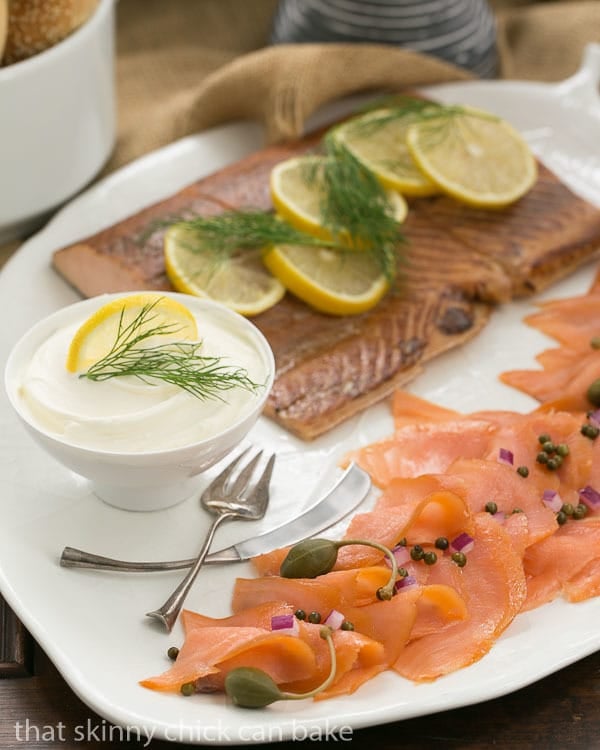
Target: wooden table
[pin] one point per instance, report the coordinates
(38, 710)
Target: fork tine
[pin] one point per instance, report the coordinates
(243, 479)
(261, 489)
(219, 482)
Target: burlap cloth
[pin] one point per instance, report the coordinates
(185, 65)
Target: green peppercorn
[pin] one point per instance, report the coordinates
(593, 393)
(402, 572)
(417, 552)
(441, 543)
(549, 447)
(595, 342)
(542, 458)
(561, 518)
(563, 450)
(568, 509)
(580, 512)
(544, 438)
(459, 558)
(314, 617)
(173, 653)
(589, 431)
(523, 471)
(188, 688)
(300, 614)
(430, 558)
(491, 507)
(346, 625)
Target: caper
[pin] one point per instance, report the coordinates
(523, 471)
(188, 688)
(568, 509)
(314, 618)
(402, 572)
(580, 512)
(561, 518)
(517, 510)
(309, 559)
(459, 558)
(441, 543)
(346, 625)
(554, 463)
(430, 558)
(593, 393)
(595, 342)
(300, 614)
(563, 450)
(173, 652)
(402, 542)
(590, 431)
(548, 447)
(250, 687)
(544, 438)
(417, 552)
(542, 458)
(491, 507)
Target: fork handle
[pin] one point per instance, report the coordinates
(71, 557)
(169, 612)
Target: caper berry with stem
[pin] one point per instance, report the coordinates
(250, 687)
(314, 557)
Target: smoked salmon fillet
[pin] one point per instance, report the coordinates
(458, 262)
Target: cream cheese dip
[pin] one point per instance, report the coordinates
(125, 414)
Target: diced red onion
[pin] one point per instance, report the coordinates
(553, 500)
(499, 516)
(405, 583)
(594, 417)
(285, 624)
(334, 619)
(506, 457)
(590, 497)
(463, 543)
(401, 554)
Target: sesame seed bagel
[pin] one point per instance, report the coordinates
(35, 25)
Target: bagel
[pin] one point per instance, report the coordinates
(36, 25)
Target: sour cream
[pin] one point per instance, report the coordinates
(125, 414)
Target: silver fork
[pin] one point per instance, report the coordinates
(227, 499)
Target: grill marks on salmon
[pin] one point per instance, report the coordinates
(459, 262)
(536, 241)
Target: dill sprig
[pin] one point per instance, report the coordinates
(409, 110)
(247, 230)
(356, 209)
(176, 362)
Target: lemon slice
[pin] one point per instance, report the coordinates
(297, 193)
(241, 282)
(94, 339)
(382, 148)
(330, 281)
(475, 157)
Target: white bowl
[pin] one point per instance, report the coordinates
(149, 479)
(57, 123)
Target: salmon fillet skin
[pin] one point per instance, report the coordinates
(459, 263)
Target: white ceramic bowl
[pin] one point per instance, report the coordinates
(149, 480)
(57, 123)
